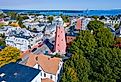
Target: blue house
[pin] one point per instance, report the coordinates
(14, 72)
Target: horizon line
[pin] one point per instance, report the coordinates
(62, 9)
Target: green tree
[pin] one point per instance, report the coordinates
(2, 43)
(85, 42)
(9, 54)
(76, 69)
(106, 65)
(13, 15)
(70, 75)
(104, 37)
(95, 17)
(116, 26)
(2, 15)
(50, 18)
(94, 58)
(93, 25)
(65, 18)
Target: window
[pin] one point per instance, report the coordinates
(44, 74)
(58, 35)
(62, 40)
(51, 77)
(58, 44)
(41, 73)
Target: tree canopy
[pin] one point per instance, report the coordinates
(50, 18)
(104, 37)
(76, 69)
(9, 54)
(13, 15)
(94, 58)
(65, 18)
(93, 25)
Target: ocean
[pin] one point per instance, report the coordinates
(69, 12)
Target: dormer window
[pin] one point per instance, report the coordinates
(51, 77)
(44, 74)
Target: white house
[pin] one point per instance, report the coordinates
(58, 21)
(118, 32)
(20, 43)
(85, 22)
(24, 43)
(110, 22)
(50, 67)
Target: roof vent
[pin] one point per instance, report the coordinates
(15, 73)
(36, 58)
(2, 75)
(3, 81)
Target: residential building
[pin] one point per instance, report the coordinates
(110, 21)
(82, 23)
(14, 72)
(70, 38)
(50, 67)
(78, 24)
(23, 43)
(118, 32)
(58, 21)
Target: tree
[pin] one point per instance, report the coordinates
(70, 75)
(93, 25)
(85, 42)
(13, 15)
(116, 26)
(2, 15)
(50, 18)
(9, 54)
(2, 43)
(21, 24)
(94, 58)
(65, 18)
(104, 37)
(106, 65)
(76, 69)
(95, 17)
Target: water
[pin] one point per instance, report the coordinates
(69, 12)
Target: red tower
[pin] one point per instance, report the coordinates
(60, 42)
(78, 24)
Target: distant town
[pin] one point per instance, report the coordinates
(59, 48)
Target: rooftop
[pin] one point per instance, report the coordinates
(47, 80)
(14, 72)
(49, 65)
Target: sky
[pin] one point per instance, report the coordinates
(60, 4)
